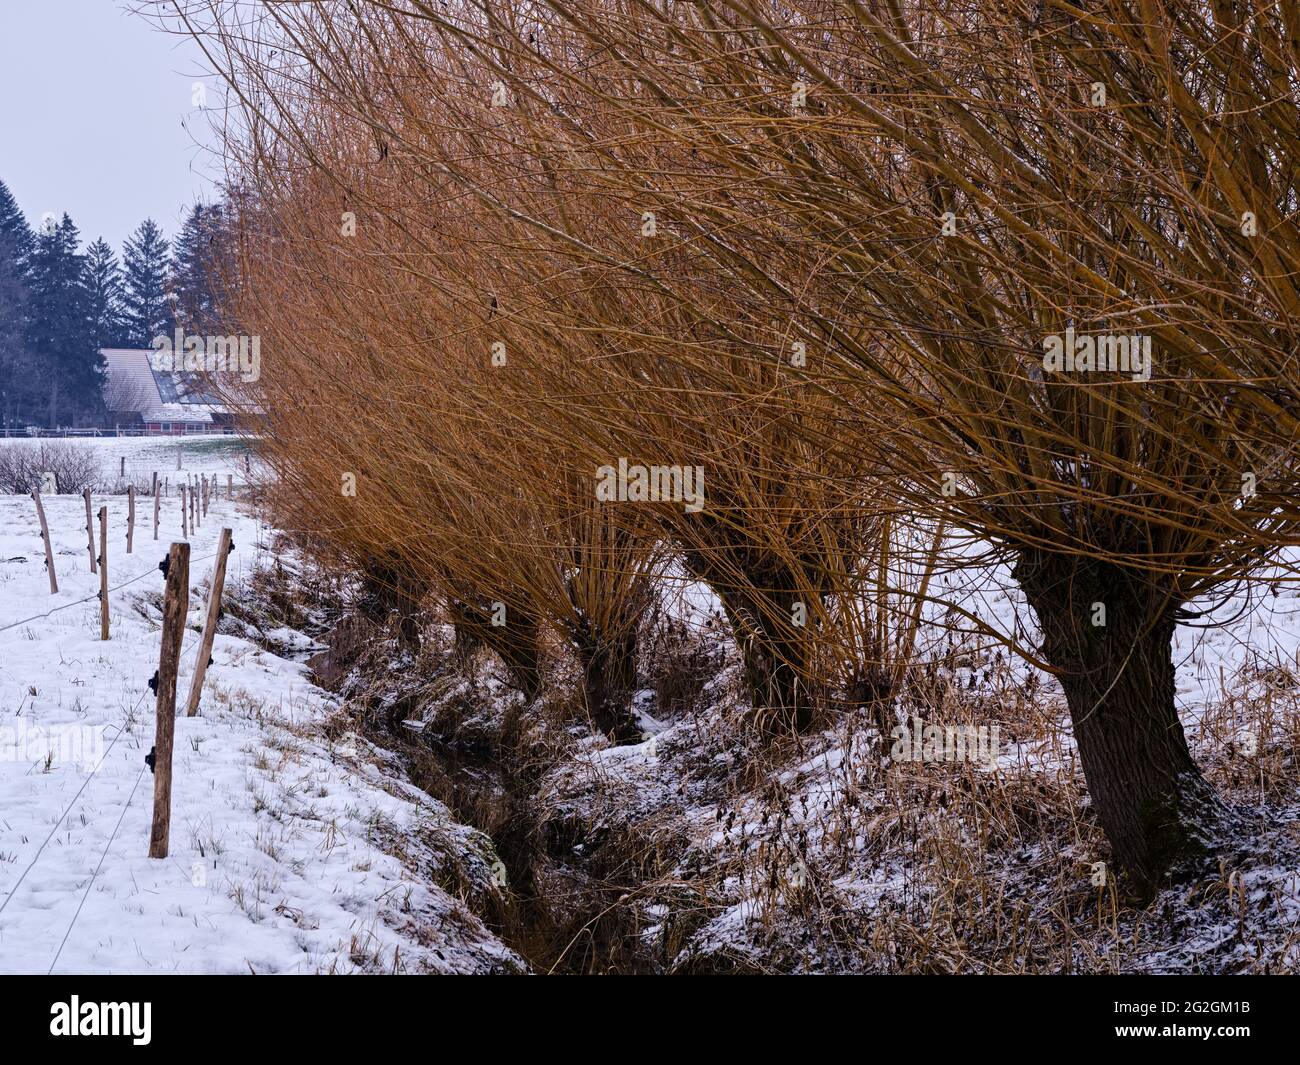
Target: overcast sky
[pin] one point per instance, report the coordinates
(91, 104)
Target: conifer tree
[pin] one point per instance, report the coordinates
(195, 258)
(59, 338)
(15, 246)
(145, 267)
(106, 295)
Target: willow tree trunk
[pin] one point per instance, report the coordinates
(1111, 635)
(774, 652)
(386, 591)
(517, 642)
(609, 680)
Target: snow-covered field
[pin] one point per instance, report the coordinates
(290, 853)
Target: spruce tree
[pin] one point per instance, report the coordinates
(15, 233)
(145, 269)
(15, 371)
(196, 266)
(59, 338)
(106, 296)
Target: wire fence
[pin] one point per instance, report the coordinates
(122, 728)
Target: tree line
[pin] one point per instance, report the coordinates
(60, 303)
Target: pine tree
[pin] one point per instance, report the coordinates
(106, 296)
(145, 268)
(59, 337)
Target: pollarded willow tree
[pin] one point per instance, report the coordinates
(398, 446)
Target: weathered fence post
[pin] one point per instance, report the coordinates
(156, 501)
(130, 518)
(230, 486)
(122, 475)
(49, 548)
(175, 606)
(210, 623)
(90, 531)
(185, 528)
(178, 454)
(103, 573)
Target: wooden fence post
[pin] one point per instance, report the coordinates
(178, 454)
(103, 573)
(156, 501)
(49, 548)
(175, 605)
(210, 623)
(123, 471)
(130, 518)
(90, 531)
(230, 486)
(185, 527)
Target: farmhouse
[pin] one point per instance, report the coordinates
(158, 402)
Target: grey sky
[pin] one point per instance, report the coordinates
(91, 104)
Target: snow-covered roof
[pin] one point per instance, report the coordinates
(133, 385)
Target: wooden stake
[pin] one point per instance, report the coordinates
(90, 531)
(156, 501)
(210, 623)
(49, 549)
(175, 605)
(123, 473)
(185, 529)
(178, 454)
(103, 573)
(130, 518)
(230, 488)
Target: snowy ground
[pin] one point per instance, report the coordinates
(289, 853)
(829, 865)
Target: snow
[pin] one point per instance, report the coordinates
(289, 853)
(298, 847)
(901, 852)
